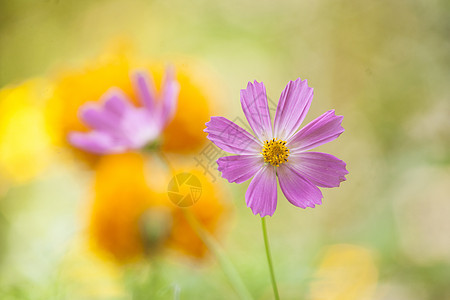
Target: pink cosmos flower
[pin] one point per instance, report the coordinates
(119, 126)
(279, 151)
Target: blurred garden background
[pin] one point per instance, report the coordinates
(82, 226)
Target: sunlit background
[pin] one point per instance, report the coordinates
(81, 226)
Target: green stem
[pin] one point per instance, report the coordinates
(227, 267)
(269, 259)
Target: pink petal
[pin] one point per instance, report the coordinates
(169, 95)
(292, 108)
(138, 128)
(323, 129)
(230, 137)
(145, 88)
(95, 142)
(239, 168)
(297, 189)
(256, 109)
(116, 102)
(98, 118)
(261, 195)
(321, 169)
(108, 117)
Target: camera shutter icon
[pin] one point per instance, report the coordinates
(184, 189)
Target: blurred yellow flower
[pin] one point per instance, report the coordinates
(131, 218)
(73, 88)
(25, 144)
(346, 272)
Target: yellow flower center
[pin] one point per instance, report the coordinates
(275, 152)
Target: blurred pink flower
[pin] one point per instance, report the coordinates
(279, 151)
(119, 126)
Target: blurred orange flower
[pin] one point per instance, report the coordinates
(121, 195)
(131, 218)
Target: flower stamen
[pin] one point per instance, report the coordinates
(275, 152)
